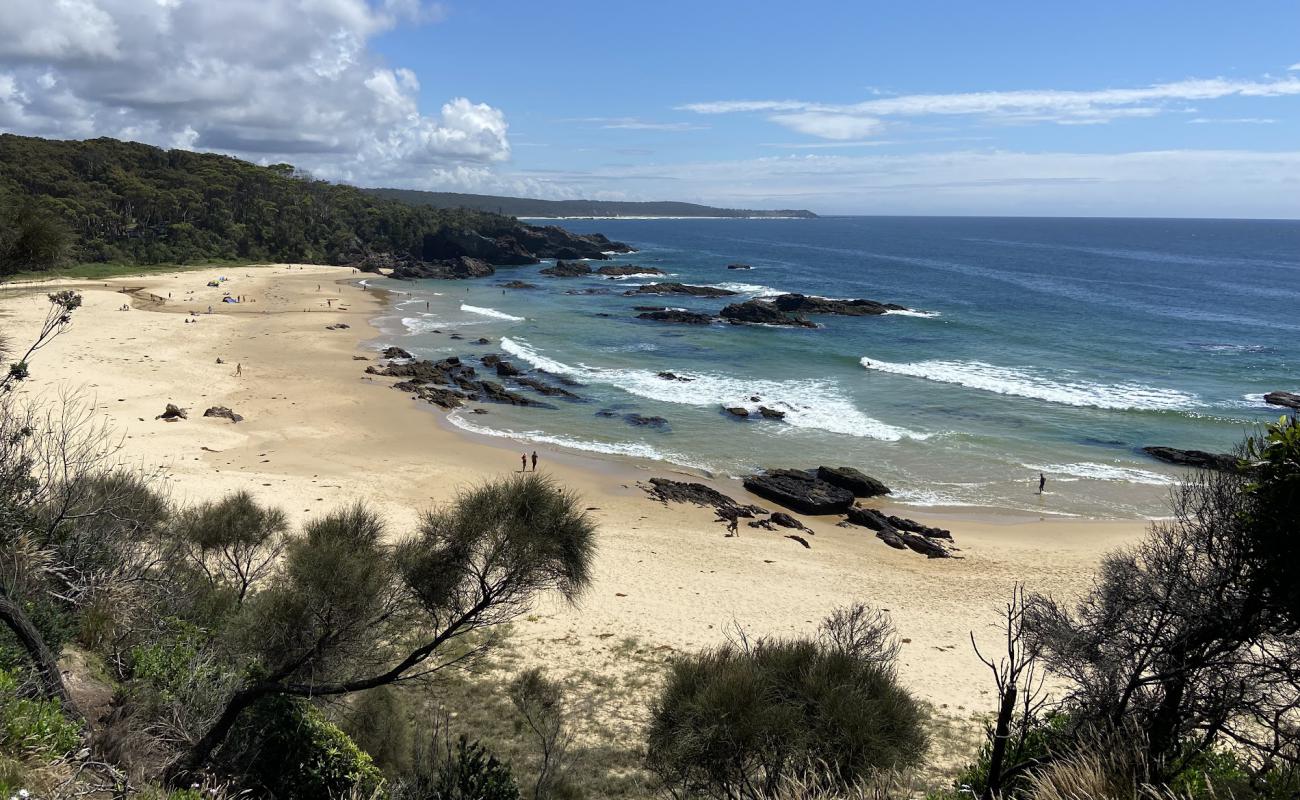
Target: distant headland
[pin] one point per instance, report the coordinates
(561, 209)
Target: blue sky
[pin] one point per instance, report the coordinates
(1152, 109)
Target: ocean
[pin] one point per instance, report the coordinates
(1059, 346)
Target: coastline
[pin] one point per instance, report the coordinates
(319, 433)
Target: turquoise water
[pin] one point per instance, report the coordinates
(1047, 345)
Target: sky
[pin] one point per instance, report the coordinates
(1159, 108)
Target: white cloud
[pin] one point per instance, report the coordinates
(1231, 121)
(1049, 105)
(829, 126)
(635, 124)
(1294, 67)
(273, 80)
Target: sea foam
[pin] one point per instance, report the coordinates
(1088, 470)
(1025, 383)
(813, 404)
(632, 449)
(490, 312)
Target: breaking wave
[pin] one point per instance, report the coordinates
(490, 312)
(631, 449)
(908, 312)
(1088, 470)
(753, 289)
(1024, 383)
(813, 404)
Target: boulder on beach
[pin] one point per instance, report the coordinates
(223, 412)
(172, 413)
(757, 312)
(1198, 459)
(670, 491)
(1283, 399)
(681, 288)
(677, 315)
(800, 491)
(849, 478)
(395, 352)
(880, 521)
(567, 269)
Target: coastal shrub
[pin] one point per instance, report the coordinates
(465, 771)
(1052, 734)
(291, 751)
(36, 727)
(540, 701)
(737, 720)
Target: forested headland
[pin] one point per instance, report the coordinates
(109, 201)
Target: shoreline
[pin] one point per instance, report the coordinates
(319, 433)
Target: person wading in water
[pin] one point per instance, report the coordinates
(1042, 481)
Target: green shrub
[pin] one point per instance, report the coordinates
(737, 721)
(35, 727)
(51, 620)
(468, 772)
(1038, 743)
(286, 746)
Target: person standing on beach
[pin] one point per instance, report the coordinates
(523, 460)
(534, 461)
(239, 369)
(1042, 481)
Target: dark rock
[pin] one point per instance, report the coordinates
(849, 478)
(448, 244)
(761, 313)
(455, 336)
(490, 360)
(739, 266)
(360, 358)
(892, 538)
(670, 491)
(224, 413)
(596, 290)
(482, 340)
(676, 315)
(631, 269)
(669, 376)
(800, 491)
(638, 420)
(800, 540)
(172, 413)
(1198, 459)
(552, 241)
(881, 522)
(546, 389)
(771, 413)
(455, 268)
(395, 352)
(567, 269)
(607, 412)
(518, 285)
(480, 411)
(779, 519)
(1283, 399)
(507, 370)
(926, 547)
(803, 304)
(497, 392)
(737, 411)
(680, 288)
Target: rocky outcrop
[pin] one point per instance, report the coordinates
(552, 241)
(779, 519)
(676, 315)
(770, 413)
(172, 413)
(456, 268)
(737, 411)
(804, 304)
(757, 312)
(672, 376)
(518, 285)
(1283, 399)
(567, 269)
(1198, 459)
(681, 288)
(669, 491)
(223, 413)
(901, 533)
(849, 478)
(506, 370)
(800, 491)
(394, 352)
(630, 269)
(449, 243)
(546, 389)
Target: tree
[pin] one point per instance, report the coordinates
(35, 240)
(345, 611)
(1186, 635)
(738, 720)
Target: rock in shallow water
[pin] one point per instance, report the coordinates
(1198, 459)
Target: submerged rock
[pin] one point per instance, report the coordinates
(800, 491)
(677, 315)
(642, 421)
(1198, 459)
(804, 304)
(1283, 399)
(681, 288)
(631, 269)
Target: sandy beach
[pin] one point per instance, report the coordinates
(318, 433)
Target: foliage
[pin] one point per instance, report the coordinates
(287, 748)
(34, 726)
(1041, 741)
(540, 701)
(466, 772)
(736, 720)
(1273, 515)
(104, 200)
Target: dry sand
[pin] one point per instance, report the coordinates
(319, 433)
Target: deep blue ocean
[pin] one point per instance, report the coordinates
(1053, 345)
